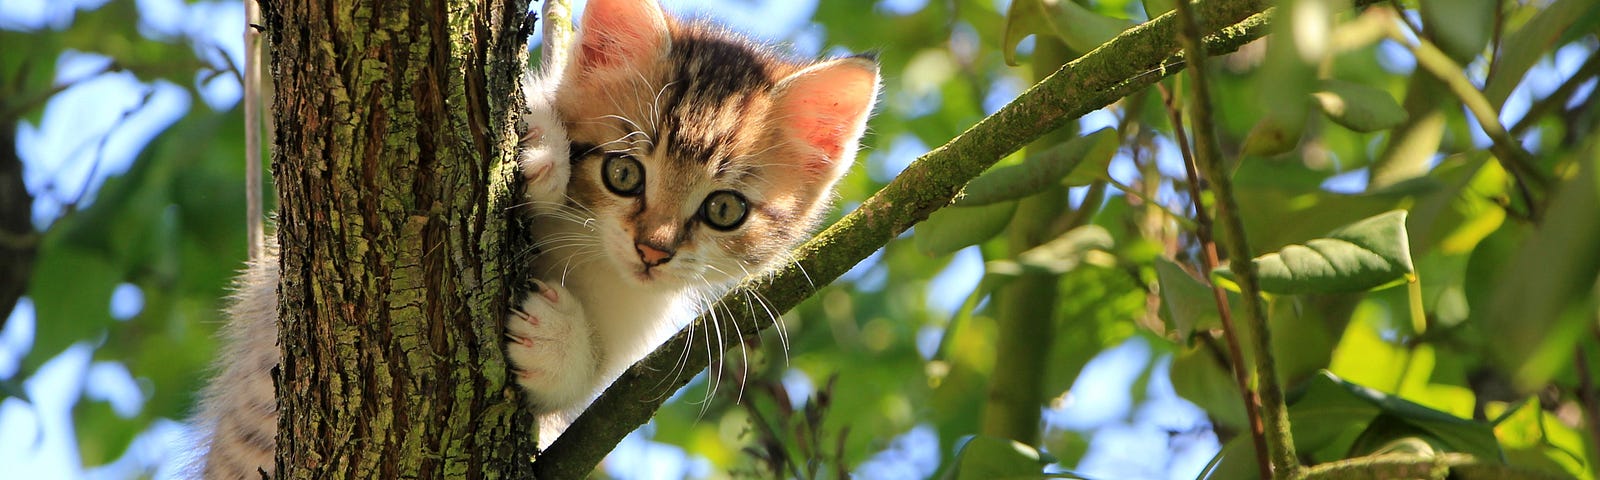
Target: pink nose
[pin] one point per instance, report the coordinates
(652, 256)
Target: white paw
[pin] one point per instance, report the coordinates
(545, 158)
(549, 345)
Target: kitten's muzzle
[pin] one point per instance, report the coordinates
(652, 255)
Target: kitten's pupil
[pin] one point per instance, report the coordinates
(724, 210)
(623, 175)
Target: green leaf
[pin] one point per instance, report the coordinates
(954, 228)
(1235, 461)
(102, 434)
(1535, 439)
(1357, 257)
(1287, 76)
(71, 291)
(1023, 18)
(1460, 27)
(1080, 28)
(1359, 107)
(1154, 8)
(1330, 404)
(1462, 212)
(1079, 161)
(1281, 203)
(983, 457)
(1057, 256)
(1200, 375)
(1189, 302)
(1276, 134)
(1544, 298)
(1305, 331)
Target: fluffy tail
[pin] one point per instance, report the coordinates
(238, 408)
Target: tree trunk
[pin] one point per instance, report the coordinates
(395, 147)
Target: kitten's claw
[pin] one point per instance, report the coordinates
(548, 343)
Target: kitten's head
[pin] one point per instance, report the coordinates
(699, 155)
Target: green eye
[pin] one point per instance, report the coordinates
(623, 175)
(724, 210)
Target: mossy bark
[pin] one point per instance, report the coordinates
(395, 145)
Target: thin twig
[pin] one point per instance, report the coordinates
(12, 108)
(1208, 263)
(1557, 99)
(1505, 148)
(1494, 39)
(1273, 415)
(254, 237)
(100, 149)
(1400, 11)
(1443, 465)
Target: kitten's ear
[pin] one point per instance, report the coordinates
(823, 111)
(620, 34)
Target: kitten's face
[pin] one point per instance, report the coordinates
(670, 221)
(700, 158)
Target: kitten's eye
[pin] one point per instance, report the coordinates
(623, 175)
(724, 210)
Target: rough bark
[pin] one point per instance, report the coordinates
(394, 147)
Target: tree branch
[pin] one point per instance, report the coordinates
(557, 35)
(19, 242)
(1267, 399)
(254, 238)
(1505, 148)
(1133, 60)
(1441, 466)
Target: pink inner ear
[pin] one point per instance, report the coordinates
(825, 107)
(824, 129)
(618, 32)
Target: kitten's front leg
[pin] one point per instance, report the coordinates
(550, 347)
(545, 157)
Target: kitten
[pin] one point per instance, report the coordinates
(664, 162)
(697, 159)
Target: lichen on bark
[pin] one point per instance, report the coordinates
(395, 154)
